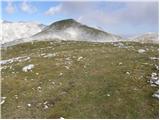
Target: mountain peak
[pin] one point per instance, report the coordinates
(62, 24)
(70, 29)
(66, 20)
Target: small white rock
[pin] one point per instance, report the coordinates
(16, 96)
(156, 94)
(2, 100)
(154, 58)
(120, 63)
(141, 51)
(108, 95)
(49, 55)
(53, 83)
(29, 105)
(39, 88)
(28, 68)
(18, 106)
(127, 73)
(37, 73)
(60, 74)
(45, 106)
(45, 102)
(66, 67)
(79, 58)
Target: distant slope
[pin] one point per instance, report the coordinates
(146, 38)
(17, 30)
(70, 29)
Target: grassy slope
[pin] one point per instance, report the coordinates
(97, 86)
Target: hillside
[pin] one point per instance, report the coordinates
(70, 79)
(12, 31)
(149, 37)
(70, 29)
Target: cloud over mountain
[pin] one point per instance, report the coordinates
(130, 14)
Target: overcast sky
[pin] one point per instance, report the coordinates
(123, 18)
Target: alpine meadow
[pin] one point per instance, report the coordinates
(79, 60)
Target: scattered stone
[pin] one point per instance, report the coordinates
(29, 105)
(53, 83)
(157, 67)
(154, 79)
(39, 88)
(37, 73)
(153, 85)
(108, 95)
(45, 102)
(141, 51)
(156, 94)
(145, 63)
(68, 58)
(68, 61)
(135, 89)
(128, 73)
(66, 67)
(33, 88)
(28, 68)
(49, 55)
(51, 43)
(18, 106)
(16, 96)
(61, 118)
(79, 58)
(60, 74)
(120, 63)
(154, 58)
(46, 107)
(17, 59)
(42, 54)
(2, 100)
(120, 45)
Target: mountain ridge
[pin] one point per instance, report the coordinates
(67, 29)
(70, 29)
(148, 37)
(18, 30)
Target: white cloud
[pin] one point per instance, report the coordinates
(134, 13)
(132, 16)
(10, 8)
(139, 13)
(28, 8)
(53, 10)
